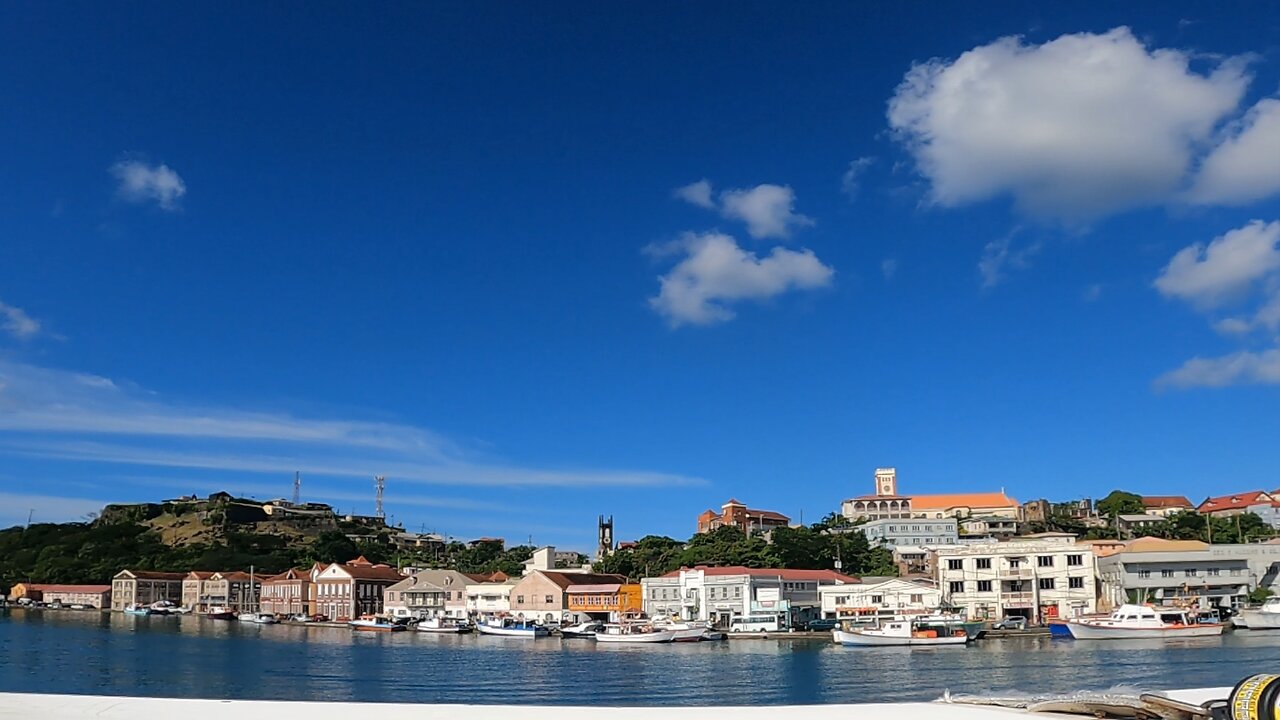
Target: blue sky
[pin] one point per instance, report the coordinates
(538, 263)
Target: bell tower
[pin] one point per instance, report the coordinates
(605, 535)
(886, 482)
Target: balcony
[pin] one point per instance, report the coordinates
(1015, 573)
(1021, 596)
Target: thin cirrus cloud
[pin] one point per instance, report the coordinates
(1073, 129)
(714, 273)
(61, 415)
(139, 182)
(1236, 279)
(16, 322)
(767, 210)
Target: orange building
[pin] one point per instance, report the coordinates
(735, 514)
(605, 599)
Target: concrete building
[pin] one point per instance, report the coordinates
(144, 587)
(453, 588)
(292, 592)
(887, 502)
(1166, 505)
(349, 590)
(735, 514)
(719, 594)
(994, 526)
(886, 599)
(94, 596)
(1228, 505)
(195, 594)
(1189, 571)
(1131, 525)
(891, 533)
(489, 599)
(542, 594)
(413, 597)
(1039, 579)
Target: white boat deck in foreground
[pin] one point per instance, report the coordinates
(31, 706)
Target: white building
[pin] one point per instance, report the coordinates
(1038, 579)
(719, 594)
(879, 600)
(486, 599)
(893, 532)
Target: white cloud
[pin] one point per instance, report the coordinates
(17, 322)
(1226, 268)
(768, 210)
(1000, 256)
(140, 182)
(715, 272)
(1241, 368)
(1073, 129)
(851, 181)
(698, 193)
(1246, 165)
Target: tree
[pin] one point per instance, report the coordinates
(333, 546)
(1259, 595)
(1120, 502)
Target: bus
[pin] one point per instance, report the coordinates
(755, 623)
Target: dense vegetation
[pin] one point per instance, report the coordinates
(816, 547)
(1242, 528)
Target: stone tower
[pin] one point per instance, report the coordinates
(605, 536)
(886, 482)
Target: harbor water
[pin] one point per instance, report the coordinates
(91, 653)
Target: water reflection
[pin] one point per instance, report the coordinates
(195, 657)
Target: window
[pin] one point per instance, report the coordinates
(983, 586)
(956, 586)
(520, 599)
(955, 564)
(984, 563)
(1044, 561)
(920, 598)
(1235, 572)
(1075, 560)
(1075, 583)
(1214, 571)
(548, 599)
(737, 591)
(877, 599)
(1191, 572)
(1166, 573)
(1144, 573)
(1015, 563)
(1046, 583)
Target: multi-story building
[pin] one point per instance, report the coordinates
(1156, 570)
(892, 532)
(995, 526)
(452, 587)
(489, 598)
(194, 591)
(888, 503)
(414, 597)
(292, 592)
(1039, 579)
(94, 596)
(1130, 525)
(542, 594)
(719, 594)
(349, 590)
(735, 514)
(144, 587)
(1166, 505)
(1228, 505)
(604, 601)
(868, 601)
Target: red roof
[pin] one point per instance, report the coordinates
(784, 573)
(1229, 502)
(70, 588)
(1166, 501)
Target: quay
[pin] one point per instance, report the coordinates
(31, 706)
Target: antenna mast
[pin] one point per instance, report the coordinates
(379, 483)
(297, 487)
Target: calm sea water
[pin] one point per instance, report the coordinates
(76, 652)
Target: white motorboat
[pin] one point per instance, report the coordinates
(902, 632)
(265, 619)
(511, 627)
(1266, 617)
(634, 633)
(1130, 622)
(376, 624)
(220, 612)
(247, 617)
(581, 630)
(691, 631)
(442, 625)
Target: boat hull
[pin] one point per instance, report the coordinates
(1255, 620)
(513, 632)
(859, 638)
(1083, 631)
(454, 630)
(663, 636)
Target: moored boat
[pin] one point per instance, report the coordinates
(633, 633)
(902, 632)
(376, 624)
(581, 630)
(220, 612)
(511, 627)
(442, 625)
(691, 631)
(1130, 622)
(1266, 617)
(137, 610)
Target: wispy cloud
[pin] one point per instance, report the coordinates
(16, 322)
(139, 182)
(1002, 255)
(851, 181)
(767, 210)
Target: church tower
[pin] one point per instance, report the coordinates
(886, 482)
(605, 536)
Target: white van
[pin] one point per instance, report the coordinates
(755, 623)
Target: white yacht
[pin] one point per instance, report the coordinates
(904, 631)
(442, 625)
(634, 633)
(1140, 621)
(511, 627)
(1266, 617)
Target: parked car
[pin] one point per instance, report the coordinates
(819, 625)
(1013, 622)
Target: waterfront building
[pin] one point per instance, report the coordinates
(144, 587)
(195, 594)
(719, 594)
(1036, 578)
(891, 532)
(542, 594)
(548, 559)
(345, 591)
(735, 514)
(1166, 505)
(489, 598)
(453, 586)
(94, 596)
(885, 599)
(413, 597)
(604, 601)
(1166, 571)
(1228, 505)
(292, 592)
(888, 503)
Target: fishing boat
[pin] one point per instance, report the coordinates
(1130, 622)
(1266, 617)
(371, 623)
(581, 630)
(442, 625)
(975, 629)
(137, 610)
(511, 627)
(633, 633)
(220, 612)
(903, 631)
